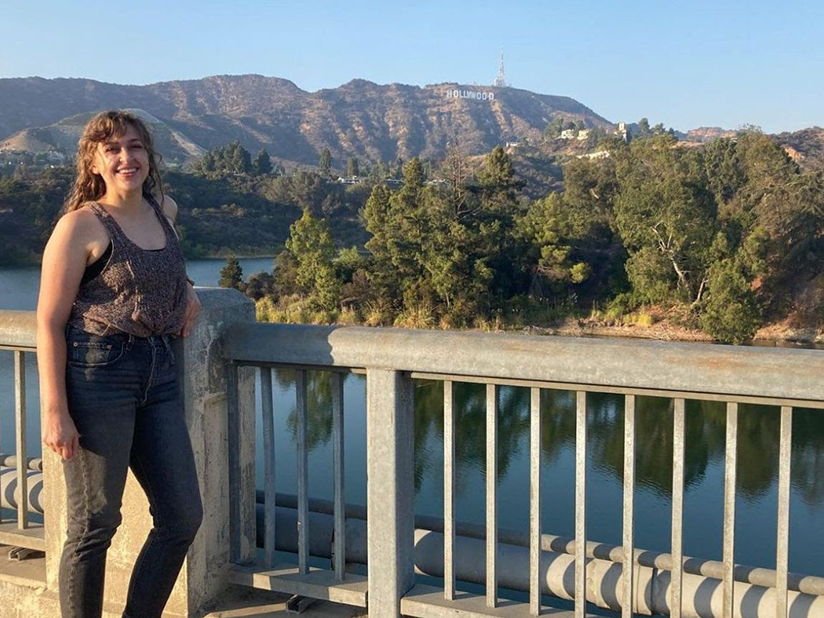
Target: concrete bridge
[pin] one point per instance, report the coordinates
(225, 566)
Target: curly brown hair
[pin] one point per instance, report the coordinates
(105, 126)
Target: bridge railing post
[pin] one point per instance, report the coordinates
(203, 378)
(390, 489)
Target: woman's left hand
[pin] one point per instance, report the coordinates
(192, 309)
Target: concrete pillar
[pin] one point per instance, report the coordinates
(390, 490)
(203, 387)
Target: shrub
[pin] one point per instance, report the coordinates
(730, 312)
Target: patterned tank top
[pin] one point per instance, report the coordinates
(140, 292)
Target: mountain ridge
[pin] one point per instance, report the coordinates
(359, 118)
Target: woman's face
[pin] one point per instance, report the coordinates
(122, 162)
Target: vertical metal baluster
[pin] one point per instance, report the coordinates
(580, 503)
(491, 495)
(729, 509)
(302, 473)
(677, 572)
(233, 413)
(535, 502)
(270, 508)
(629, 507)
(448, 490)
(338, 468)
(783, 528)
(20, 435)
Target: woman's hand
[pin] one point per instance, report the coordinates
(192, 309)
(60, 434)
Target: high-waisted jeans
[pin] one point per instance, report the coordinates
(124, 399)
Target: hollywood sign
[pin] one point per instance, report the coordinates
(470, 94)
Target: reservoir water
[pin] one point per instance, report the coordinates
(704, 475)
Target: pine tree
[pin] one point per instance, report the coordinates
(231, 275)
(325, 162)
(311, 245)
(352, 167)
(240, 160)
(262, 164)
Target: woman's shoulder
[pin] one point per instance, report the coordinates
(81, 224)
(79, 218)
(168, 206)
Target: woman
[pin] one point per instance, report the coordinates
(113, 292)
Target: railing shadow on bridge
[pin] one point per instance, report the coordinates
(229, 354)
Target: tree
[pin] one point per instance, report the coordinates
(444, 252)
(262, 164)
(663, 207)
(325, 162)
(310, 244)
(724, 169)
(643, 128)
(208, 162)
(554, 127)
(352, 167)
(231, 275)
(546, 228)
(239, 159)
(595, 137)
(260, 285)
(730, 312)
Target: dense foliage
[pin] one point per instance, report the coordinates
(721, 238)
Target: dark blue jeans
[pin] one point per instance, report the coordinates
(124, 399)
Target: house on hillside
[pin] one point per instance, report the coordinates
(351, 180)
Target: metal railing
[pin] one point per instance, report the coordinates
(17, 335)
(648, 583)
(576, 569)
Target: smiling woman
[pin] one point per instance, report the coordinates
(113, 292)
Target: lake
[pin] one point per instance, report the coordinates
(704, 474)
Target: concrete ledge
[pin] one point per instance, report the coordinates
(317, 584)
(29, 573)
(244, 602)
(428, 602)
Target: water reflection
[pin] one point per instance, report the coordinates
(705, 436)
(758, 430)
(808, 456)
(318, 405)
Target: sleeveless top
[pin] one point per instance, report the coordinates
(139, 292)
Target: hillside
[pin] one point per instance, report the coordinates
(63, 136)
(360, 118)
(806, 147)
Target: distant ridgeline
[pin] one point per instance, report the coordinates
(360, 119)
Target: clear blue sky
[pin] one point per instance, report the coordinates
(686, 64)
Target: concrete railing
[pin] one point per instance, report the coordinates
(228, 352)
(392, 358)
(205, 574)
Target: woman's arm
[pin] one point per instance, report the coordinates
(169, 207)
(64, 261)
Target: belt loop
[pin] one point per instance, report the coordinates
(129, 342)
